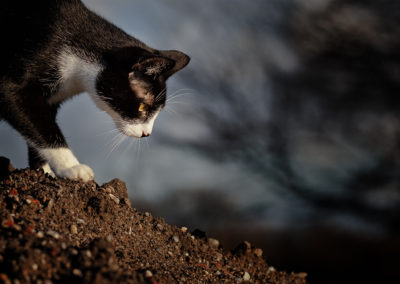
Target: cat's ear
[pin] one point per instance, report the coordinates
(180, 59)
(154, 66)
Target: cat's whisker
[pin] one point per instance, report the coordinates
(183, 103)
(177, 96)
(115, 142)
(170, 110)
(181, 90)
(159, 96)
(105, 98)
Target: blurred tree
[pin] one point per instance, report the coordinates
(306, 96)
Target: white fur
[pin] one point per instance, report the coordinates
(77, 75)
(136, 129)
(130, 128)
(46, 168)
(64, 164)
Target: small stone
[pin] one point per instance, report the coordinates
(40, 234)
(114, 198)
(28, 201)
(271, 269)
(176, 239)
(302, 274)
(147, 214)
(53, 234)
(218, 273)
(184, 229)
(50, 204)
(80, 221)
(17, 227)
(246, 276)
(148, 274)
(63, 245)
(109, 238)
(258, 252)
(77, 272)
(160, 227)
(170, 253)
(214, 243)
(74, 229)
(35, 266)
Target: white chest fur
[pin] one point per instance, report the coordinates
(77, 75)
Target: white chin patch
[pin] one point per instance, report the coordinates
(138, 129)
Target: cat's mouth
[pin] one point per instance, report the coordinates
(135, 129)
(128, 127)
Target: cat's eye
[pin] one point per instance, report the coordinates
(142, 107)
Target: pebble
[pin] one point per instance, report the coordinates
(53, 234)
(35, 266)
(109, 238)
(246, 276)
(40, 234)
(80, 221)
(160, 227)
(74, 229)
(258, 252)
(184, 229)
(50, 204)
(176, 239)
(214, 243)
(114, 198)
(148, 274)
(77, 272)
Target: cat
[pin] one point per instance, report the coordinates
(55, 49)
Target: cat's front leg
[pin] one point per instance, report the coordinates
(35, 119)
(37, 162)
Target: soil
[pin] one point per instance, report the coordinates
(56, 230)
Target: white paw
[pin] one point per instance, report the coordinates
(46, 168)
(79, 171)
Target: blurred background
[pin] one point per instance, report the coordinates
(283, 130)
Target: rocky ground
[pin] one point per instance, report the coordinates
(57, 230)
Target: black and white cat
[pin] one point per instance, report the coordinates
(55, 49)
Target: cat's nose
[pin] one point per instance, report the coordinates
(145, 134)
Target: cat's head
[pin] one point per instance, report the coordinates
(132, 87)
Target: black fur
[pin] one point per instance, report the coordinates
(33, 35)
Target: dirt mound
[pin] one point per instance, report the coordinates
(57, 230)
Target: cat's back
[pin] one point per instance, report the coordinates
(32, 28)
(25, 28)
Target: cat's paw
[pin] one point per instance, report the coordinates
(46, 168)
(80, 171)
